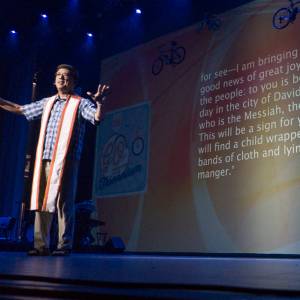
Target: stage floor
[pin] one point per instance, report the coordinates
(145, 276)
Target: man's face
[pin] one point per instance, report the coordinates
(64, 81)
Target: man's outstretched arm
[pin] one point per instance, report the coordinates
(10, 106)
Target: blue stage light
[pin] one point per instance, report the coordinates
(44, 16)
(13, 31)
(89, 34)
(138, 11)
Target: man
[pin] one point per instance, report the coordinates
(58, 152)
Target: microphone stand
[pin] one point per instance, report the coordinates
(28, 169)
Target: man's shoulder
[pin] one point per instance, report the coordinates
(79, 98)
(49, 98)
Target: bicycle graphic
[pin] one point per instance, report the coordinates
(169, 54)
(212, 22)
(286, 15)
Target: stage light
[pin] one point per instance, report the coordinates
(138, 11)
(44, 16)
(13, 31)
(88, 44)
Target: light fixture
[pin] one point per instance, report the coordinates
(138, 11)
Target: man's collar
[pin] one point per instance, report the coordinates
(74, 96)
(61, 98)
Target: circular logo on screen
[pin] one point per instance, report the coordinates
(138, 146)
(115, 156)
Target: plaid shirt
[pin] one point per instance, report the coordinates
(86, 111)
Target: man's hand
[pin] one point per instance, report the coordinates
(101, 94)
(99, 97)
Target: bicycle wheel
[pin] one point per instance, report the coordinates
(200, 26)
(157, 66)
(297, 5)
(214, 24)
(281, 18)
(178, 55)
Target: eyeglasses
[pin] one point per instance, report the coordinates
(63, 74)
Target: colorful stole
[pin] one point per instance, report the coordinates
(63, 138)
